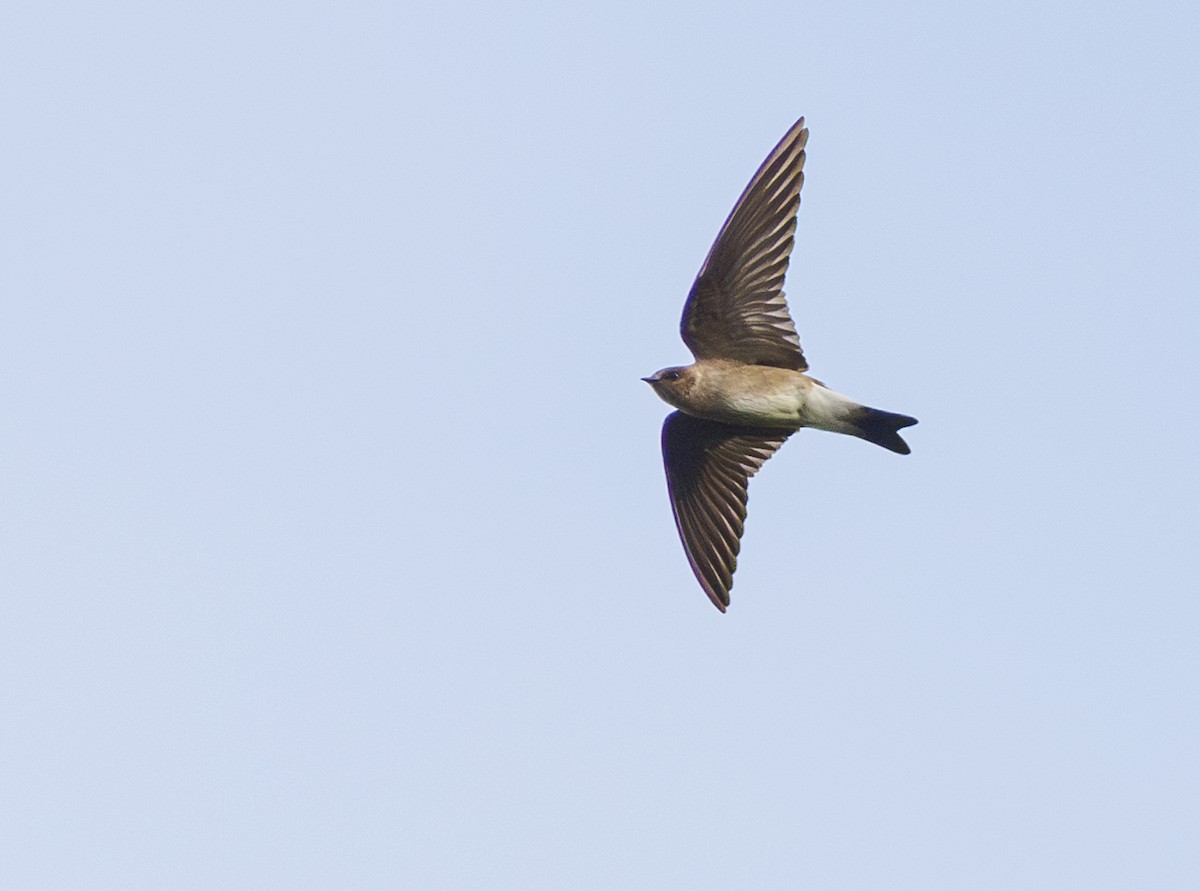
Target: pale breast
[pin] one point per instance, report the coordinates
(751, 394)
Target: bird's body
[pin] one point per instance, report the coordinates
(756, 395)
(747, 392)
(764, 396)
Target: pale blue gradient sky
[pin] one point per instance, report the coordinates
(335, 544)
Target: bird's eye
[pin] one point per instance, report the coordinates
(671, 376)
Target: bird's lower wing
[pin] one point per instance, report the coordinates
(709, 466)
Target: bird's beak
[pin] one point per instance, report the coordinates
(649, 380)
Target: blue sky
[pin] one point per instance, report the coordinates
(336, 546)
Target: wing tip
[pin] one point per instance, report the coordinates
(799, 132)
(719, 600)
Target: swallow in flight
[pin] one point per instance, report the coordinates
(747, 392)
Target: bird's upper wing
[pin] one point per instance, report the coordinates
(736, 309)
(709, 466)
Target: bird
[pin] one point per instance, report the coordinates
(747, 391)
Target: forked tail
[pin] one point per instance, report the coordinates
(880, 428)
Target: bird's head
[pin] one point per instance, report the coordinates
(673, 384)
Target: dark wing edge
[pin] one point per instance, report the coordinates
(736, 308)
(709, 466)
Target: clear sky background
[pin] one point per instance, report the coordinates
(336, 549)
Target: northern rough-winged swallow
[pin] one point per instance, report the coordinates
(746, 394)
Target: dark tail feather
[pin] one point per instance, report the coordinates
(880, 428)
